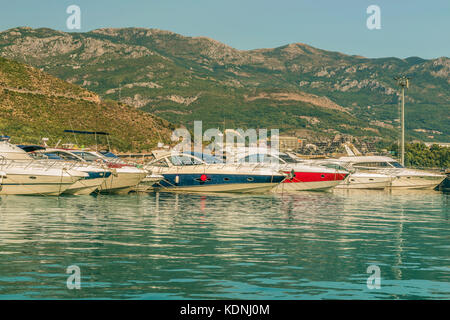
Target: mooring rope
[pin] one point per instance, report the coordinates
(60, 181)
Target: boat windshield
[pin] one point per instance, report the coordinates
(108, 154)
(184, 160)
(87, 155)
(53, 156)
(46, 155)
(381, 164)
(159, 163)
(287, 158)
(205, 157)
(395, 164)
(378, 164)
(332, 166)
(261, 158)
(63, 155)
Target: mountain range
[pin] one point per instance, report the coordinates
(297, 88)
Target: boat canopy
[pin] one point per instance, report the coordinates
(108, 154)
(52, 156)
(210, 159)
(30, 148)
(88, 132)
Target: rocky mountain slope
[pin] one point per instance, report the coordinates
(34, 104)
(294, 87)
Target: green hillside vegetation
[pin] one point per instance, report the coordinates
(419, 155)
(34, 104)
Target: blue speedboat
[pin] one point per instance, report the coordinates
(190, 172)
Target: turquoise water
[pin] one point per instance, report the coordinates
(176, 246)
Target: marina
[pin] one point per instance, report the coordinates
(191, 225)
(42, 170)
(268, 151)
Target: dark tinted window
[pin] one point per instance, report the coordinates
(184, 161)
(396, 164)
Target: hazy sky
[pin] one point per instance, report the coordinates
(408, 27)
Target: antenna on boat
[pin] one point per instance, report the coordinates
(96, 144)
(109, 145)
(403, 82)
(44, 141)
(95, 133)
(75, 137)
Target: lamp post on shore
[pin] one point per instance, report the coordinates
(403, 82)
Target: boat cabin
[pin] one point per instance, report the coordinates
(372, 162)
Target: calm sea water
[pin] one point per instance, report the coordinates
(194, 246)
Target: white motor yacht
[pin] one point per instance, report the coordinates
(357, 179)
(22, 175)
(400, 177)
(124, 178)
(96, 174)
(188, 172)
(301, 176)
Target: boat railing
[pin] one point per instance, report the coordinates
(41, 164)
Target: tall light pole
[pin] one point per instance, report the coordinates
(403, 82)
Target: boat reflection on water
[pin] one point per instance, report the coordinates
(289, 246)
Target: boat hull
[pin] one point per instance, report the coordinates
(84, 186)
(88, 184)
(361, 185)
(306, 186)
(365, 181)
(228, 188)
(310, 181)
(445, 185)
(415, 182)
(121, 182)
(19, 184)
(146, 184)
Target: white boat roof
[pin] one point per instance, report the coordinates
(366, 159)
(161, 153)
(12, 152)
